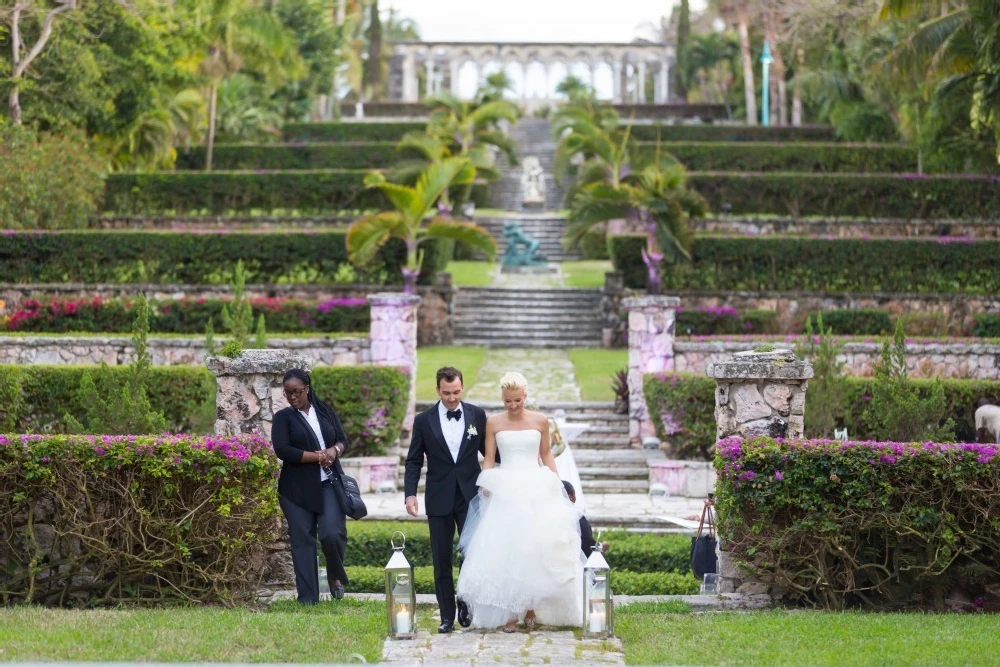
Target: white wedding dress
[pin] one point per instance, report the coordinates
(522, 542)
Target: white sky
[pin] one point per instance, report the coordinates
(533, 20)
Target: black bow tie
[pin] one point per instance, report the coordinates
(454, 414)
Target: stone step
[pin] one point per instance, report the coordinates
(601, 474)
(503, 339)
(627, 457)
(502, 328)
(540, 344)
(502, 301)
(616, 486)
(583, 442)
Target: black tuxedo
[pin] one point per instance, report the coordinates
(451, 485)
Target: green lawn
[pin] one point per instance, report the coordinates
(593, 369)
(329, 632)
(654, 636)
(471, 274)
(585, 273)
(466, 359)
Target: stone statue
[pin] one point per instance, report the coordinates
(532, 182)
(522, 250)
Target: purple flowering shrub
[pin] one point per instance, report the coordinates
(173, 519)
(881, 524)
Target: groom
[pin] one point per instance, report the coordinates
(450, 434)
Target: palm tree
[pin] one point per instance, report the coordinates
(593, 137)
(658, 198)
(738, 12)
(496, 87)
(238, 33)
(413, 206)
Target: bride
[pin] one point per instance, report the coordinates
(521, 541)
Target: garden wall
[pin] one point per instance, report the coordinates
(857, 228)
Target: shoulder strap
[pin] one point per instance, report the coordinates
(707, 518)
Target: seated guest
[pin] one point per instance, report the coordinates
(587, 541)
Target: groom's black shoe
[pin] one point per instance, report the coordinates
(446, 628)
(464, 617)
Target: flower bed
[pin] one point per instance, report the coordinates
(107, 520)
(828, 265)
(786, 157)
(188, 316)
(682, 408)
(883, 524)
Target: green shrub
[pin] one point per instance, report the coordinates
(786, 157)
(865, 523)
(858, 322)
(594, 244)
(728, 133)
(47, 181)
(825, 399)
(370, 401)
(987, 325)
(721, 320)
(851, 195)
(369, 155)
(188, 316)
(929, 324)
(827, 265)
(688, 403)
(135, 520)
(348, 131)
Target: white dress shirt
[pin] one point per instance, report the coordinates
(454, 431)
(313, 420)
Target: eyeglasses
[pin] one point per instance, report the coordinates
(295, 392)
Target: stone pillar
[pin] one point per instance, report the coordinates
(248, 389)
(664, 96)
(757, 393)
(613, 320)
(641, 87)
(431, 82)
(616, 76)
(394, 339)
(453, 68)
(650, 350)
(409, 78)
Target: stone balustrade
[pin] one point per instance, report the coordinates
(979, 361)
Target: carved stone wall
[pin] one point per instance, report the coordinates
(650, 350)
(394, 340)
(614, 316)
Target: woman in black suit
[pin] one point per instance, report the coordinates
(308, 438)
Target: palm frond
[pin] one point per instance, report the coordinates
(468, 233)
(501, 141)
(437, 178)
(489, 114)
(366, 235)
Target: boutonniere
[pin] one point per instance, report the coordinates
(471, 431)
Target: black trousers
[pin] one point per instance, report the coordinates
(303, 526)
(442, 530)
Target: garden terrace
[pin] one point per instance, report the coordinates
(345, 155)
(840, 227)
(349, 132)
(784, 157)
(727, 133)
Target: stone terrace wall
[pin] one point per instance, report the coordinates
(849, 228)
(980, 362)
(168, 351)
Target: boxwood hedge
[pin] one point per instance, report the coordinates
(784, 134)
(347, 155)
(786, 157)
(348, 131)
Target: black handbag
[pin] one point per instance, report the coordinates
(703, 558)
(348, 492)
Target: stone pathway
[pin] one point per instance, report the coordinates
(549, 373)
(475, 647)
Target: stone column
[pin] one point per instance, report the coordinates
(757, 393)
(664, 96)
(394, 339)
(650, 350)
(613, 320)
(248, 389)
(409, 78)
(641, 87)
(616, 76)
(431, 83)
(453, 69)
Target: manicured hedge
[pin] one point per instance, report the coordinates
(987, 325)
(851, 195)
(348, 131)
(787, 157)
(191, 258)
(876, 524)
(858, 322)
(187, 316)
(352, 155)
(711, 321)
(370, 400)
(368, 545)
(682, 408)
(123, 520)
(820, 264)
(733, 133)
(370, 579)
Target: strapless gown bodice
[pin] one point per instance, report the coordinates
(519, 449)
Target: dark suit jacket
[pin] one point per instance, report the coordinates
(291, 435)
(587, 541)
(446, 478)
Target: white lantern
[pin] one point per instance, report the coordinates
(598, 598)
(400, 595)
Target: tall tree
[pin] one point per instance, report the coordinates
(683, 33)
(373, 66)
(737, 12)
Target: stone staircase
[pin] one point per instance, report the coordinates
(515, 317)
(606, 461)
(546, 229)
(533, 136)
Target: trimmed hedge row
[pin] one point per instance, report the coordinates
(832, 265)
(370, 400)
(851, 195)
(187, 316)
(877, 524)
(682, 408)
(792, 157)
(242, 191)
(987, 325)
(118, 256)
(352, 155)
(348, 131)
(370, 579)
(714, 321)
(368, 546)
(741, 133)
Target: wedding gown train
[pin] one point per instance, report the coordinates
(522, 542)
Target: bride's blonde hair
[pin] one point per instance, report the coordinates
(513, 380)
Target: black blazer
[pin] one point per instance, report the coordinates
(291, 435)
(446, 477)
